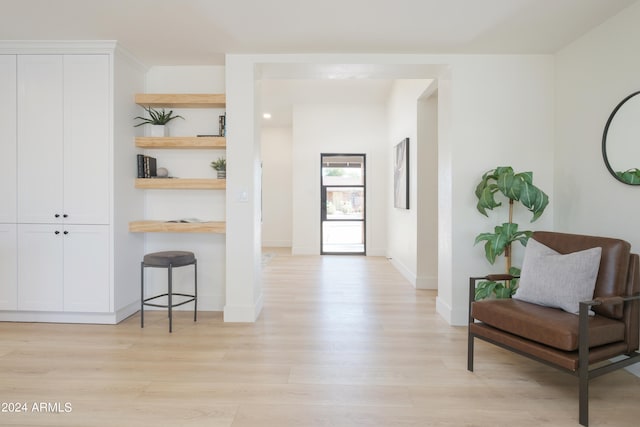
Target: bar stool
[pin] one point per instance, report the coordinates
(169, 260)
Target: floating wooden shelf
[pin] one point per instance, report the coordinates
(173, 100)
(202, 142)
(151, 226)
(181, 183)
(182, 100)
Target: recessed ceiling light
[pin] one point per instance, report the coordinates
(266, 116)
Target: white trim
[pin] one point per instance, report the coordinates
(443, 309)
(127, 311)
(276, 243)
(454, 318)
(406, 272)
(57, 46)
(427, 282)
(61, 317)
(243, 313)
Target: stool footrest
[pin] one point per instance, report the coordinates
(191, 298)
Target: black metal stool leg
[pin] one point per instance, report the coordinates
(142, 294)
(170, 294)
(195, 290)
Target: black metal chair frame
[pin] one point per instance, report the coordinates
(584, 373)
(169, 294)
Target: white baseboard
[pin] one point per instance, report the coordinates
(304, 250)
(454, 318)
(109, 318)
(243, 313)
(427, 282)
(276, 243)
(376, 252)
(408, 274)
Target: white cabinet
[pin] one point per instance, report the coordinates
(40, 267)
(63, 138)
(86, 138)
(63, 269)
(66, 122)
(86, 268)
(40, 127)
(8, 138)
(8, 268)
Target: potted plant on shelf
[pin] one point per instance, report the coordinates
(516, 188)
(220, 166)
(158, 120)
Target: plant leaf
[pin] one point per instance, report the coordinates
(487, 200)
(526, 177)
(502, 292)
(509, 185)
(630, 176)
(534, 199)
(484, 289)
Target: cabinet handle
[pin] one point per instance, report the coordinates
(65, 232)
(64, 216)
(56, 232)
(57, 215)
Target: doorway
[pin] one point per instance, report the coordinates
(342, 205)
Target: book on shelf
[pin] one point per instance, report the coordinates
(222, 125)
(187, 220)
(140, 160)
(147, 166)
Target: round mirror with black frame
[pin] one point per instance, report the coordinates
(621, 141)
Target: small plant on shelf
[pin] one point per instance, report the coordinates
(158, 118)
(220, 166)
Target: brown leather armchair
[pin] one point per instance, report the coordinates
(581, 345)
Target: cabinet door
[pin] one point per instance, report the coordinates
(8, 138)
(40, 267)
(8, 268)
(86, 268)
(40, 137)
(87, 137)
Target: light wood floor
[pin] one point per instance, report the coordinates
(342, 341)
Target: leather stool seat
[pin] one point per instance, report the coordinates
(163, 259)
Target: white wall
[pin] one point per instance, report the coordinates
(244, 192)
(427, 272)
(277, 186)
(355, 128)
(492, 110)
(594, 74)
(174, 204)
(403, 224)
(501, 114)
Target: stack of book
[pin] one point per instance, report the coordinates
(146, 166)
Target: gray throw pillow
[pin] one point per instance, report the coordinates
(554, 280)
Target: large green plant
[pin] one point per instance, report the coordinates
(516, 187)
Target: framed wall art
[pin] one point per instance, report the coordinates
(401, 175)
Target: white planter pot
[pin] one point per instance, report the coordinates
(159, 130)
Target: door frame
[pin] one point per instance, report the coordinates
(323, 203)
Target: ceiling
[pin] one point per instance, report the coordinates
(193, 32)
(201, 32)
